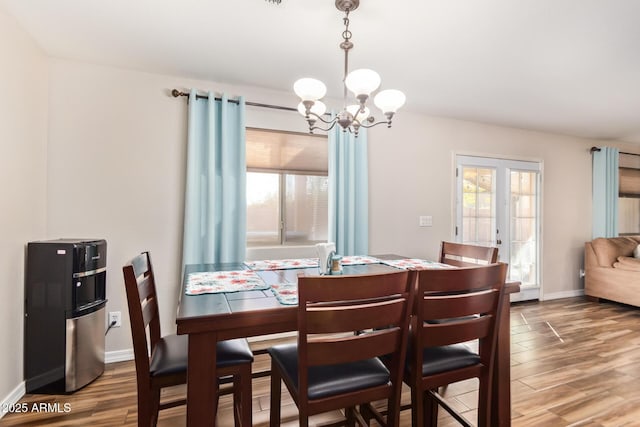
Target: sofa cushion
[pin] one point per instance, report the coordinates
(609, 249)
(627, 263)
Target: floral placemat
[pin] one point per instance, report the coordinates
(211, 282)
(282, 264)
(359, 259)
(414, 264)
(286, 293)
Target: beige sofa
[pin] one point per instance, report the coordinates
(611, 271)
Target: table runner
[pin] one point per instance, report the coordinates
(414, 264)
(286, 264)
(359, 259)
(286, 293)
(210, 282)
(282, 264)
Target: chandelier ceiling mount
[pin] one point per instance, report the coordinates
(347, 5)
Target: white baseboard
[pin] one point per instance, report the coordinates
(527, 293)
(533, 293)
(118, 356)
(13, 397)
(564, 294)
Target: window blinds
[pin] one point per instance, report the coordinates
(290, 152)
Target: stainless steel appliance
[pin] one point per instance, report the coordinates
(64, 314)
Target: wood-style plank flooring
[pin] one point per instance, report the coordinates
(574, 363)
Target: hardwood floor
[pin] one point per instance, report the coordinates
(574, 363)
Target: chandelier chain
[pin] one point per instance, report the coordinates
(346, 45)
(346, 34)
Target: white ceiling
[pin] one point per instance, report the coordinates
(563, 66)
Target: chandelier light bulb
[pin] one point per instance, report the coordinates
(362, 81)
(318, 108)
(309, 89)
(390, 100)
(357, 115)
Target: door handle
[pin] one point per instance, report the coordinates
(498, 242)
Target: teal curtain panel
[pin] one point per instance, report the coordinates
(348, 192)
(215, 197)
(605, 192)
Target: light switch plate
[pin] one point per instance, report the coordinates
(425, 220)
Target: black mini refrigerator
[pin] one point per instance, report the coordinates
(64, 315)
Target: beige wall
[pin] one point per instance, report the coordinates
(23, 133)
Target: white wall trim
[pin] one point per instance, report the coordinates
(527, 293)
(118, 356)
(532, 293)
(12, 398)
(565, 294)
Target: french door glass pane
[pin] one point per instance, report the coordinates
(263, 209)
(478, 205)
(524, 225)
(306, 207)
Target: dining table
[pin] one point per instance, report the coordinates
(210, 315)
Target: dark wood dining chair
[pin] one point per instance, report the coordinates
(332, 367)
(439, 354)
(161, 361)
(465, 255)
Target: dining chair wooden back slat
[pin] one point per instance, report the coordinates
(146, 288)
(435, 308)
(323, 320)
(447, 333)
(466, 255)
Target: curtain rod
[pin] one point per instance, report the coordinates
(594, 149)
(176, 93)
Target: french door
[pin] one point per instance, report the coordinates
(498, 204)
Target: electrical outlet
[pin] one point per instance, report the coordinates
(115, 316)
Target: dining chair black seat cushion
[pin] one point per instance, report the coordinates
(171, 354)
(233, 352)
(330, 380)
(446, 358)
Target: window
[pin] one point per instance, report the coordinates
(287, 188)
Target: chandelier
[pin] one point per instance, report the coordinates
(362, 83)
